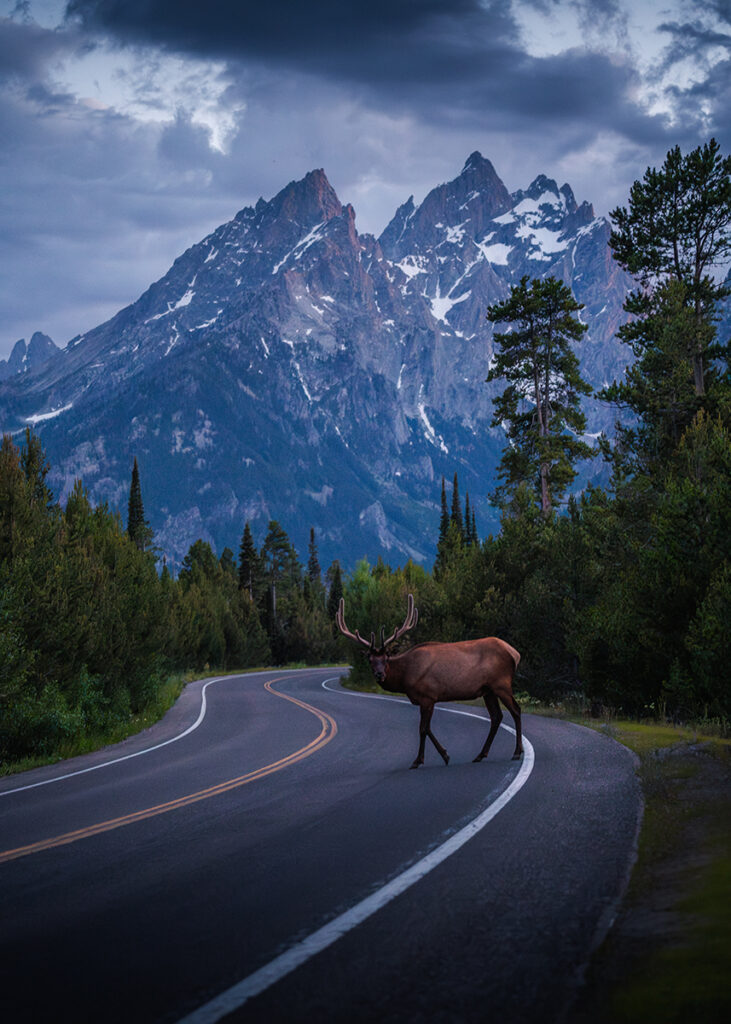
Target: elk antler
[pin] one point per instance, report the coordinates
(412, 617)
(340, 621)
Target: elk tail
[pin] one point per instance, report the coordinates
(513, 654)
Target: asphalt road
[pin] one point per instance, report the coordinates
(143, 889)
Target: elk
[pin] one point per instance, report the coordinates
(432, 672)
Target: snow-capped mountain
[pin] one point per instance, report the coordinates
(287, 367)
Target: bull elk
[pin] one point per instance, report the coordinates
(433, 671)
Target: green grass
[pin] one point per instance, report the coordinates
(679, 970)
(690, 981)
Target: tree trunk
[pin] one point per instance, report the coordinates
(699, 374)
(545, 492)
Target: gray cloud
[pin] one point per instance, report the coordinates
(689, 39)
(26, 49)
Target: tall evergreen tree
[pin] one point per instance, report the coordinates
(282, 574)
(227, 562)
(456, 515)
(444, 520)
(677, 227)
(541, 403)
(249, 564)
(138, 527)
(467, 520)
(335, 591)
(12, 497)
(313, 563)
(35, 468)
(279, 558)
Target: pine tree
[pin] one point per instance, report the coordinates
(35, 468)
(475, 538)
(249, 565)
(456, 516)
(677, 227)
(12, 497)
(313, 564)
(541, 403)
(279, 558)
(335, 591)
(138, 527)
(452, 536)
(658, 387)
(444, 520)
(227, 562)
(283, 577)
(467, 520)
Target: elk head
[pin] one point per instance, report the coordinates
(378, 656)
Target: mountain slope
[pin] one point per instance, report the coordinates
(287, 367)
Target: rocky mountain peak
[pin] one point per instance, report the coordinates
(480, 172)
(25, 358)
(40, 348)
(466, 205)
(393, 233)
(541, 186)
(309, 201)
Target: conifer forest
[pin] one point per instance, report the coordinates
(618, 596)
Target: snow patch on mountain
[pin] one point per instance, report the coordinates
(41, 417)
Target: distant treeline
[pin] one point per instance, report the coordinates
(89, 628)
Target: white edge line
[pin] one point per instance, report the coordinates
(235, 997)
(127, 757)
(148, 750)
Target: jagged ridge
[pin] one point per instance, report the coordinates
(288, 367)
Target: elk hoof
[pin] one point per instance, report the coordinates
(480, 757)
(445, 756)
(517, 756)
(416, 764)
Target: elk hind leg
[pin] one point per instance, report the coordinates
(514, 708)
(425, 730)
(496, 716)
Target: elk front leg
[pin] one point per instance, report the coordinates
(424, 730)
(514, 708)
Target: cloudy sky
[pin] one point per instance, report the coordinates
(132, 128)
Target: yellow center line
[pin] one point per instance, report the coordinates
(327, 732)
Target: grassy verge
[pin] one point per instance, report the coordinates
(668, 956)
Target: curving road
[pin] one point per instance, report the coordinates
(264, 854)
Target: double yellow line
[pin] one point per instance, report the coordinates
(327, 732)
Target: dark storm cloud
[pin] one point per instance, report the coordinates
(328, 31)
(374, 41)
(438, 59)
